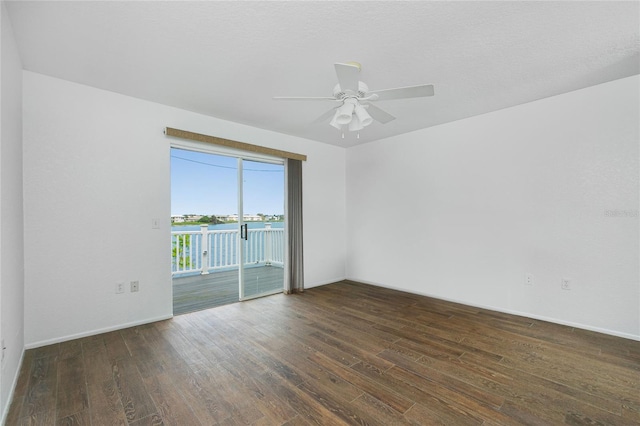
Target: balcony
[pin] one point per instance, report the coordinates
(205, 266)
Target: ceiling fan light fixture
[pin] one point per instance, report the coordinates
(334, 121)
(355, 125)
(344, 114)
(363, 116)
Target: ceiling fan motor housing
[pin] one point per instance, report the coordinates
(340, 95)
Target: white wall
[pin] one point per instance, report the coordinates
(462, 211)
(11, 221)
(459, 211)
(96, 167)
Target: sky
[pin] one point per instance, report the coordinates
(206, 184)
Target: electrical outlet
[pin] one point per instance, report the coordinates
(528, 278)
(565, 284)
(135, 286)
(119, 287)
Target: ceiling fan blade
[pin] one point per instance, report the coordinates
(379, 115)
(324, 116)
(403, 92)
(348, 77)
(303, 98)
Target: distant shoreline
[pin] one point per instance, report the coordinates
(221, 223)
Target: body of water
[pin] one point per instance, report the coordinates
(224, 226)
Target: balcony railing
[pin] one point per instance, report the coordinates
(207, 250)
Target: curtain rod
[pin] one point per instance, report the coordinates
(184, 134)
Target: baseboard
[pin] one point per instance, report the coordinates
(509, 311)
(94, 332)
(5, 409)
(131, 324)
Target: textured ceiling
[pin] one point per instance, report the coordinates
(228, 59)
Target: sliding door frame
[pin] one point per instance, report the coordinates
(241, 155)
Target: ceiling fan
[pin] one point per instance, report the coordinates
(356, 109)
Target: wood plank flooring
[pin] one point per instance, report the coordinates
(345, 353)
(198, 292)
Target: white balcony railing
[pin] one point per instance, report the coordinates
(206, 250)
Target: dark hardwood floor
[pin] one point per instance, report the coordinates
(344, 353)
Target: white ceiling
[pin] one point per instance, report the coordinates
(228, 59)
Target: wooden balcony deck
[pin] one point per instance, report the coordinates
(198, 292)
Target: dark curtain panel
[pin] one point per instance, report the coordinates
(294, 227)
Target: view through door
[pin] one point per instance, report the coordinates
(262, 241)
(227, 234)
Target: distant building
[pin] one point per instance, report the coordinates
(225, 218)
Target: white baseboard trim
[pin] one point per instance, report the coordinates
(5, 409)
(509, 311)
(55, 340)
(40, 343)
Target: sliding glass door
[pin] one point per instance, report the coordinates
(261, 228)
(227, 227)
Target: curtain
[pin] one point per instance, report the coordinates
(295, 267)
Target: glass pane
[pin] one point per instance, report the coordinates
(204, 230)
(263, 217)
